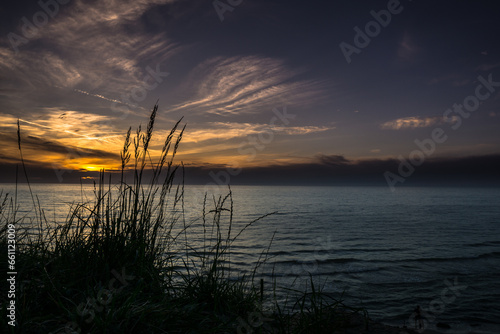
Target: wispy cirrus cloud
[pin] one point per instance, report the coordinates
(59, 124)
(414, 122)
(231, 130)
(101, 47)
(222, 142)
(246, 84)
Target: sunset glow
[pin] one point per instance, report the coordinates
(290, 99)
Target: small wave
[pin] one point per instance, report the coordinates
(327, 261)
(485, 243)
(453, 259)
(278, 253)
(323, 251)
(351, 270)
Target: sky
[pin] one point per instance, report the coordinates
(271, 91)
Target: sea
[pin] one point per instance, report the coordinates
(384, 251)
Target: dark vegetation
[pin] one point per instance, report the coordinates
(124, 262)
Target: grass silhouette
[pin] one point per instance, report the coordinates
(124, 261)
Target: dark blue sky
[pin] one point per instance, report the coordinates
(94, 68)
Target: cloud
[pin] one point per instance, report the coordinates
(454, 79)
(414, 122)
(407, 50)
(39, 152)
(54, 134)
(460, 83)
(332, 160)
(245, 85)
(41, 145)
(339, 170)
(102, 47)
(320, 170)
(230, 130)
(223, 142)
(101, 97)
(487, 67)
(61, 137)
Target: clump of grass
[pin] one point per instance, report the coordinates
(314, 311)
(124, 262)
(65, 270)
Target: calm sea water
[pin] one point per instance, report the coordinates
(434, 247)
